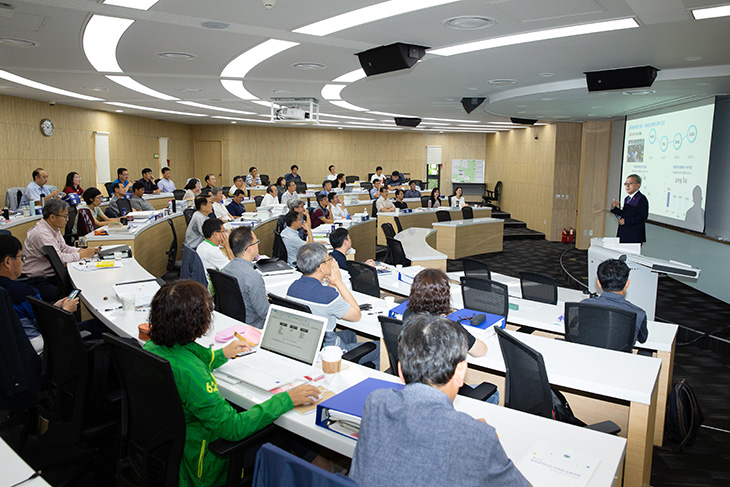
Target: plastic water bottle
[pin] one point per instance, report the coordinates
(366, 217)
(31, 205)
(333, 228)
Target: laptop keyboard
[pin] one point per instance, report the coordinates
(276, 367)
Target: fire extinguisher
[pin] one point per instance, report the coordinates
(571, 235)
(565, 235)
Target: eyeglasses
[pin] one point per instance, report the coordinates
(629, 184)
(21, 257)
(326, 260)
(62, 216)
(252, 244)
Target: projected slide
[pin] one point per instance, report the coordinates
(670, 150)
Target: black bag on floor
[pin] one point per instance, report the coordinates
(684, 415)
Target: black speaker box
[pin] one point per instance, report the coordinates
(621, 79)
(470, 104)
(523, 121)
(407, 122)
(393, 57)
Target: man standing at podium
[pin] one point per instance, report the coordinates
(632, 217)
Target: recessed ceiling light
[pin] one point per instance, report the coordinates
(547, 75)
(282, 92)
(701, 83)
(339, 128)
(40, 86)
(502, 82)
(190, 90)
(522, 111)
(638, 92)
(100, 40)
(8, 87)
(547, 99)
(214, 99)
(693, 58)
(308, 66)
(16, 42)
(469, 22)
(471, 88)
(450, 99)
(521, 106)
(215, 25)
(711, 13)
(233, 121)
(592, 114)
(183, 56)
(119, 111)
(135, 4)
(94, 88)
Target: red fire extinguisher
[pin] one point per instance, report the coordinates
(571, 235)
(565, 235)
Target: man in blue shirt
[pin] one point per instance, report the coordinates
(375, 192)
(236, 207)
(395, 180)
(290, 235)
(37, 188)
(326, 187)
(428, 441)
(293, 176)
(412, 191)
(123, 177)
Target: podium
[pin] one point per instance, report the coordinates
(645, 270)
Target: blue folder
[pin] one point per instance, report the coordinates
(467, 313)
(398, 311)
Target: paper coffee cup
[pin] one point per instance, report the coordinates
(389, 301)
(127, 302)
(331, 360)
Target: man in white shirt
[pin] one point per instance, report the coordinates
(378, 175)
(291, 192)
(237, 184)
(337, 207)
(290, 235)
(332, 176)
(214, 251)
(270, 199)
(384, 204)
(37, 187)
(166, 184)
(220, 210)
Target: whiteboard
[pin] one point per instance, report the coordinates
(467, 171)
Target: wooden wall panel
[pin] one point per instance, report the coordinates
(567, 172)
(593, 181)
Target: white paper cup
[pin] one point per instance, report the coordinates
(127, 303)
(389, 301)
(399, 266)
(331, 362)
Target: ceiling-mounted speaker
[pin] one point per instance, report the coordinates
(470, 104)
(407, 121)
(523, 121)
(621, 79)
(392, 57)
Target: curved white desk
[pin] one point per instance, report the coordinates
(418, 246)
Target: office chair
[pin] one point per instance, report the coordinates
(301, 187)
(68, 235)
(397, 254)
(424, 201)
(278, 468)
(467, 213)
(288, 303)
(351, 179)
(443, 216)
(258, 199)
(228, 292)
(600, 326)
(419, 183)
(171, 253)
(476, 268)
(537, 287)
(179, 194)
(397, 224)
(265, 181)
(108, 187)
(192, 267)
(374, 212)
(493, 195)
(366, 185)
(188, 214)
(364, 278)
(124, 204)
(388, 230)
(527, 388)
(485, 295)
(279, 249)
(110, 213)
(225, 190)
(63, 280)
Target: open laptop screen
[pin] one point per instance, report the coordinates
(293, 334)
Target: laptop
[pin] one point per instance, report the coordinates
(287, 352)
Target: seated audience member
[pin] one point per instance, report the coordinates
(253, 178)
(383, 203)
(139, 203)
(333, 301)
(290, 235)
(92, 198)
(337, 207)
(11, 267)
(428, 441)
(378, 175)
(297, 205)
(375, 191)
(219, 209)
(294, 175)
(280, 187)
(48, 232)
(332, 176)
(340, 181)
(322, 214)
(118, 193)
(434, 201)
(166, 184)
(412, 191)
(326, 187)
(73, 184)
(613, 279)
(123, 177)
(194, 234)
(291, 192)
(341, 243)
(238, 183)
(192, 189)
(270, 199)
(37, 188)
(396, 180)
(209, 181)
(399, 203)
(457, 199)
(245, 247)
(235, 207)
(209, 415)
(148, 179)
(214, 251)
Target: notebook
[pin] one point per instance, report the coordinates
(287, 352)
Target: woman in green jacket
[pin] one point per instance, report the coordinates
(181, 313)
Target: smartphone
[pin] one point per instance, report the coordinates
(73, 294)
(366, 306)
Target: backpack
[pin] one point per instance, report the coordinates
(684, 415)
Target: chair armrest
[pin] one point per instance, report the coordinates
(480, 392)
(226, 448)
(359, 352)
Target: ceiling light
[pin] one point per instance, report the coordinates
(119, 111)
(239, 67)
(233, 121)
(215, 25)
(218, 117)
(386, 114)
(135, 4)
(149, 109)
(521, 112)
(282, 92)
(701, 83)
(345, 116)
(547, 99)
(366, 15)
(101, 36)
(592, 115)
(469, 22)
(693, 58)
(711, 13)
(502, 82)
(348, 106)
(190, 90)
(547, 75)
(183, 56)
(638, 92)
(235, 87)
(332, 92)
(351, 76)
(40, 86)
(211, 107)
(133, 85)
(16, 42)
(471, 88)
(541, 35)
(95, 88)
(308, 66)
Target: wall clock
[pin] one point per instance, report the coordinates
(46, 127)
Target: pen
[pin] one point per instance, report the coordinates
(112, 309)
(240, 337)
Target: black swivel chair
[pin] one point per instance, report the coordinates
(110, 213)
(108, 187)
(484, 295)
(443, 216)
(265, 181)
(192, 267)
(388, 230)
(230, 301)
(467, 213)
(537, 287)
(63, 280)
(279, 468)
(172, 251)
(364, 278)
(397, 224)
(178, 194)
(600, 326)
(68, 235)
(351, 179)
(527, 387)
(124, 204)
(279, 249)
(301, 187)
(366, 186)
(493, 195)
(258, 199)
(398, 255)
(476, 268)
(374, 211)
(188, 214)
(424, 201)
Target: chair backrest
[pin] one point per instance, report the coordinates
(225, 190)
(467, 213)
(72, 215)
(278, 468)
(179, 193)
(265, 179)
(538, 287)
(351, 179)
(366, 185)
(600, 326)
(110, 213)
(85, 221)
(258, 199)
(288, 303)
(19, 197)
(397, 253)
(443, 216)
(485, 295)
(301, 187)
(418, 182)
(108, 187)
(391, 328)
(526, 386)
(124, 204)
(188, 214)
(149, 455)
(230, 300)
(364, 278)
(476, 268)
(192, 267)
(374, 211)
(279, 249)
(13, 197)
(64, 280)
(388, 230)
(497, 190)
(424, 201)
(172, 251)
(397, 224)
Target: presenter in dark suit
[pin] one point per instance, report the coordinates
(633, 215)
